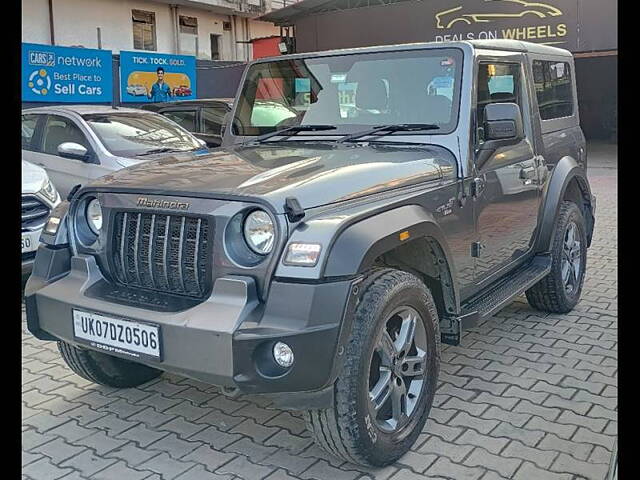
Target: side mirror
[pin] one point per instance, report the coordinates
(502, 127)
(72, 150)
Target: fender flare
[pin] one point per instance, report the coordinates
(566, 170)
(357, 246)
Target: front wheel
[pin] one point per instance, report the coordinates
(560, 290)
(385, 390)
(104, 369)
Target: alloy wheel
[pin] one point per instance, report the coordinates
(397, 370)
(571, 258)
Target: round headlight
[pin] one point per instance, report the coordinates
(259, 232)
(94, 216)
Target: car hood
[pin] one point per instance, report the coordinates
(33, 177)
(314, 173)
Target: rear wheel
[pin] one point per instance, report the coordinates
(105, 369)
(560, 290)
(385, 391)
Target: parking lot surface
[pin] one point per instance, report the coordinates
(527, 396)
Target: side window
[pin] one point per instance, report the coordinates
(552, 82)
(28, 130)
(497, 83)
(212, 118)
(185, 118)
(60, 130)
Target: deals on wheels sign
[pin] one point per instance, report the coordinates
(552, 22)
(153, 77)
(65, 74)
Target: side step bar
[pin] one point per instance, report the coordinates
(493, 298)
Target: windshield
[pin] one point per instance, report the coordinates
(131, 134)
(352, 92)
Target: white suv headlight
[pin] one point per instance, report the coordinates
(259, 232)
(48, 191)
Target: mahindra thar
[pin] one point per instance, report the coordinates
(404, 193)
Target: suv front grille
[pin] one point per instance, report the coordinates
(167, 253)
(34, 212)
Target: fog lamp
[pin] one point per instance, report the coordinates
(283, 354)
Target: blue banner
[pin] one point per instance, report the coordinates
(64, 74)
(155, 77)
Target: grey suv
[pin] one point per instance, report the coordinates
(323, 259)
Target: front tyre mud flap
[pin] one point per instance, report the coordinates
(451, 327)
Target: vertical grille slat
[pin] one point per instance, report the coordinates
(195, 255)
(167, 253)
(123, 234)
(180, 247)
(136, 248)
(150, 253)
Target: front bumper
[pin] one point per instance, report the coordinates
(225, 340)
(27, 264)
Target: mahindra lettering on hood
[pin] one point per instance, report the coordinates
(66, 74)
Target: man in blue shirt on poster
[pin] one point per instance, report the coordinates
(160, 91)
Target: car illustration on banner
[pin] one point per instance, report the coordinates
(472, 12)
(136, 90)
(182, 91)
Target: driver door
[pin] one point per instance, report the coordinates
(507, 184)
(65, 173)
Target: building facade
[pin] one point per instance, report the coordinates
(208, 29)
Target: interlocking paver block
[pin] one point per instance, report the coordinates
(43, 469)
(294, 464)
(59, 450)
(199, 473)
(565, 463)
(120, 471)
(528, 471)
(87, 463)
(541, 458)
(166, 466)
(209, 457)
(482, 458)
(243, 468)
(446, 468)
(142, 435)
(254, 451)
(492, 444)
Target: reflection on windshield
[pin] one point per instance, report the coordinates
(128, 135)
(352, 91)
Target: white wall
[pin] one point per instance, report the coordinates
(262, 29)
(35, 21)
(76, 22)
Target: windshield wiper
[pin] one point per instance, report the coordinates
(292, 130)
(159, 150)
(399, 127)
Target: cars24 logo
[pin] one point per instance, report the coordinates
(47, 59)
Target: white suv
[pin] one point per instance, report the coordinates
(39, 198)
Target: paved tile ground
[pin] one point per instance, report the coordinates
(527, 396)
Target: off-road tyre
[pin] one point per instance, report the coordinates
(347, 430)
(105, 369)
(549, 294)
